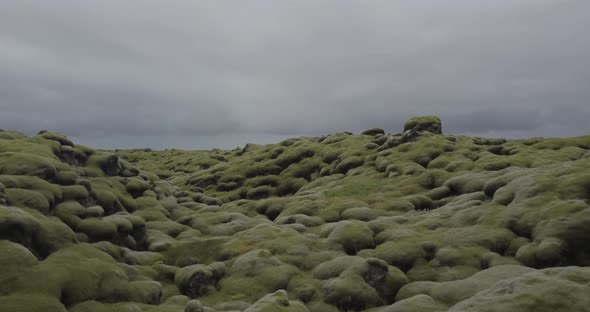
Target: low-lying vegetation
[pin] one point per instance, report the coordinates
(376, 222)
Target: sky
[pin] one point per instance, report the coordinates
(216, 73)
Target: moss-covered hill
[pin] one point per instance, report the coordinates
(416, 221)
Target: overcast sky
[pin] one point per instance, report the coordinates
(203, 74)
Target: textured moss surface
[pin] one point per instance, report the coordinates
(416, 221)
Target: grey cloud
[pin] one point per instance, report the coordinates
(188, 73)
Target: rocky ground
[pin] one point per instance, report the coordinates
(416, 221)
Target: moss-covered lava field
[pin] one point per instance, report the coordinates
(376, 222)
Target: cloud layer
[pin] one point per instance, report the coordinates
(200, 74)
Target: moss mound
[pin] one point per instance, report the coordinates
(374, 222)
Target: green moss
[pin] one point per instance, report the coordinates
(238, 179)
(424, 123)
(304, 169)
(147, 292)
(75, 192)
(97, 229)
(468, 183)
(352, 236)
(401, 254)
(94, 211)
(104, 163)
(260, 192)
(106, 199)
(456, 291)
(295, 156)
(51, 192)
(290, 186)
(202, 250)
(205, 199)
(18, 226)
(264, 181)
(546, 289)
(357, 188)
(423, 303)
(136, 186)
(31, 303)
(66, 177)
(359, 213)
(14, 259)
(95, 306)
(261, 170)
(373, 131)
(353, 283)
(27, 199)
(444, 210)
(11, 135)
(277, 302)
(65, 275)
(204, 180)
(26, 164)
(112, 195)
(150, 209)
(349, 163)
(259, 269)
(350, 294)
(58, 137)
(70, 212)
(170, 228)
(556, 144)
(198, 280)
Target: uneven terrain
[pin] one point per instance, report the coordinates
(415, 221)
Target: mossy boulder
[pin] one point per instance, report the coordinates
(58, 137)
(39, 233)
(31, 303)
(66, 177)
(52, 192)
(422, 303)
(14, 259)
(352, 236)
(424, 123)
(147, 292)
(373, 131)
(75, 192)
(97, 229)
(70, 212)
(136, 186)
(355, 283)
(349, 163)
(64, 275)
(556, 289)
(112, 196)
(277, 302)
(263, 272)
(104, 164)
(453, 292)
(198, 280)
(27, 199)
(13, 163)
